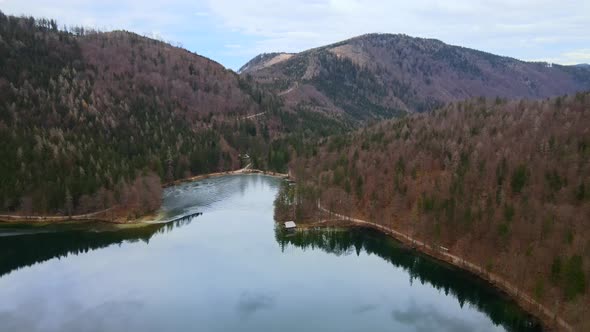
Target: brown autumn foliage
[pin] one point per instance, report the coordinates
(505, 184)
(377, 75)
(84, 114)
(122, 63)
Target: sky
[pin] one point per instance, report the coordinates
(232, 32)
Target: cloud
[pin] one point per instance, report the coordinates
(525, 29)
(574, 57)
(108, 316)
(513, 28)
(428, 318)
(250, 303)
(135, 15)
(38, 315)
(578, 56)
(361, 309)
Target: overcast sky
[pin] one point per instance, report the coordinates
(233, 31)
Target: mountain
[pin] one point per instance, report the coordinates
(264, 60)
(503, 184)
(90, 120)
(380, 75)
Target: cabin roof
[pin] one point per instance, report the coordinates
(290, 224)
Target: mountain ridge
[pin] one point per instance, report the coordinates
(385, 74)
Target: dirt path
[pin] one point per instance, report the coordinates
(547, 316)
(253, 115)
(87, 216)
(291, 88)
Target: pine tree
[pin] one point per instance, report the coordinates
(69, 202)
(169, 167)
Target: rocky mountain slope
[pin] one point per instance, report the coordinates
(380, 75)
(264, 60)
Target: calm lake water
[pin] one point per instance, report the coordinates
(231, 269)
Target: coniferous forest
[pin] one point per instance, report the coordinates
(91, 120)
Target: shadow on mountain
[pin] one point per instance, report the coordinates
(465, 287)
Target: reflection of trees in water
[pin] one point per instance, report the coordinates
(34, 244)
(459, 284)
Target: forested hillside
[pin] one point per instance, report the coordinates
(383, 75)
(92, 120)
(505, 184)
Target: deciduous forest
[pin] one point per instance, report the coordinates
(502, 183)
(91, 120)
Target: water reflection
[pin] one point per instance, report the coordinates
(23, 245)
(425, 319)
(201, 196)
(452, 281)
(249, 302)
(231, 269)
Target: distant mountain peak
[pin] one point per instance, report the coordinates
(379, 74)
(264, 60)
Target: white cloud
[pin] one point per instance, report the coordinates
(515, 28)
(579, 55)
(526, 29)
(135, 15)
(571, 58)
(347, 6)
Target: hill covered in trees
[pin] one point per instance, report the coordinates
(501, 183)
(91, 120)
(382, 75)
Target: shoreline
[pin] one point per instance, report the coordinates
(96, 216)
(243, 171)
(92, 216)
(546, 317)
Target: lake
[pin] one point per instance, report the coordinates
(232, 269)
